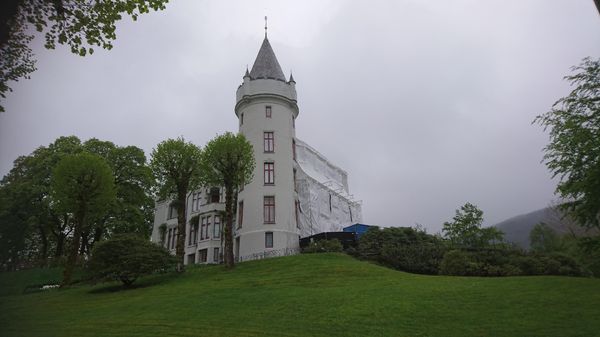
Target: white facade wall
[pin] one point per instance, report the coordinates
(253, 97)
(202, 248)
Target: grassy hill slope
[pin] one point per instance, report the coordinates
(309, 295)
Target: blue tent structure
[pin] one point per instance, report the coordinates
(358, 229)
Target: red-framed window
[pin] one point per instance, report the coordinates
(269, 173)
(269, 141)
(240, 214)
(269, 209)
(268, 111)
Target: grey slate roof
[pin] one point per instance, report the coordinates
(266, 65)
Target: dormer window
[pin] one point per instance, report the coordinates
(268, 111)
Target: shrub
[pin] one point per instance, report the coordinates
(456, 262)
(403, 248)
(324, 246)
(127, 257)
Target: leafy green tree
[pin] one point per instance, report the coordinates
(574, 150)
(176, 168)
(132, 211)
(228, 161)
(30, 218)
(126, 257)
(544, 239)
(38, 229)
(82, 185)
(79, 24)
(465, 230)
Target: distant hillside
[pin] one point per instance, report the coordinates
(517, 229)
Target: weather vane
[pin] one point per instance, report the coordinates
(265, 26)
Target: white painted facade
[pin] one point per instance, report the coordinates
(295, 191)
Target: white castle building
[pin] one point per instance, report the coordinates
(296, 192)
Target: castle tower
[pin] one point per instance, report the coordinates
(266, 108)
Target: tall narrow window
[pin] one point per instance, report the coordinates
(295, 187)
(268, 111)
(269, 141)
(196, 233)
(202, 226)
(293, 122)
(269, 210)
(216, 254)
(217, 227)
(215, 195)
(269, 173)
(294, 149)
(329, 202)
(350, 210)
(172, 211)
(206, 229)
(268, 239)
(240, 214)
(297, 206)
(242, 118)
(169, 239)
(173, 239)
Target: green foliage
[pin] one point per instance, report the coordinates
(176, 165)
(544, 239)
(574, 150)
(465, 230)
(33, 228)
(403, 248)
(228, 161)
(324, 246)
(507, 262)
(79, 24)
(127, 257)
(82, 185)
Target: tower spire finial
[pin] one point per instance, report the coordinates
(265, 26)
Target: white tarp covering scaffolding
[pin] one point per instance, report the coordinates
(325, 202)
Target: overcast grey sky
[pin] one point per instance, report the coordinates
(427, 104)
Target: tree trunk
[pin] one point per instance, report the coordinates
(70, 266)
(228, 231)
(84, 240)
(44, 238)
(180, 248)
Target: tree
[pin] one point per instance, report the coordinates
(80, 24)
(574, 150)
(544, 239)
(82, 185)
(465, 230)
(126, 257)
(39, 231)
(176, 168)
(228, 161)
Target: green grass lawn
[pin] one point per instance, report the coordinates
(306, 295)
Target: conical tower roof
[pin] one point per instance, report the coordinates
(266, 65)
